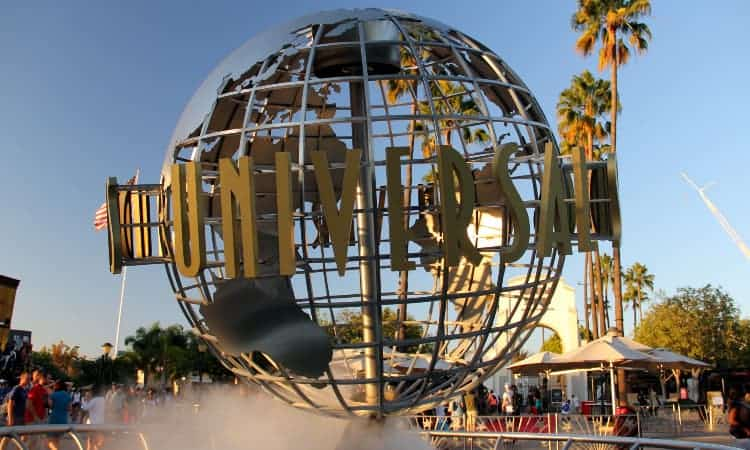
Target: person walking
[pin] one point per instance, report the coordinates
(60, 408)
(507, 404)
(94, 405)
(470, 400)
(575, 404)
(38, 397)
(492, 403)
(457, 414)
(17, 401)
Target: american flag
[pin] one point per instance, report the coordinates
(100, 216)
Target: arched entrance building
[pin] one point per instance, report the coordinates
(562, 318)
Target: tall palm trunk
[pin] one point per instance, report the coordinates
(639, 306)
(598, 284)
(586, 301)
(622, 387)
(594, 302)
(617, 288)
(617, 284)
(403, 278)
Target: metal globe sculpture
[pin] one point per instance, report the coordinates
(342, 206)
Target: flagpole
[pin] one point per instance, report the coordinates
(119, 312)
(122, 292)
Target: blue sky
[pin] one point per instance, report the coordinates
(90, 90)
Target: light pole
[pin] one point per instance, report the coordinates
(202, 350)
(104, 361)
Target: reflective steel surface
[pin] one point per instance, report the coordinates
(371, 79)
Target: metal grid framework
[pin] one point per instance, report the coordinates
(440, 335)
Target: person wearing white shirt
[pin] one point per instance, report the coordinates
(575, 404)
(95, 407)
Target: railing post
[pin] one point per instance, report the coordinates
(549, 430)
(638, 422)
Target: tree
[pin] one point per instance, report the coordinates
(65, 358)
(172, 352)
(605, 265)
(552, 344)
(159, 350)
(637, 281)
(43, 360)
(348, 328)
(581, 111)
(702, 323)
(612, 23)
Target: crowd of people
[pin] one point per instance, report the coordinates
(485, 402)
(37, 400)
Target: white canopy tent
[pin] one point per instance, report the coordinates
(608, 353)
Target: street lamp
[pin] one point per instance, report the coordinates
(202, 350)
(103, 362)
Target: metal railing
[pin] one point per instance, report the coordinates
(20, 436)
(456, 440)
(676, 420)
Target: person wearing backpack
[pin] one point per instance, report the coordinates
(492, 403)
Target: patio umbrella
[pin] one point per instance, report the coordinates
(666, 359)
(607, 353)
(534, 364)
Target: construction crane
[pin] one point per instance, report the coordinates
(719, 216)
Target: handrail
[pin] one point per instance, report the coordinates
(633, 442)
(14, 433)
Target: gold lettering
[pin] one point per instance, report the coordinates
(188, 213)
(553, 215)
(521, 229)
(141, 231)
(339, 221)
(284, 208)
(583, 208)
(614, 200)
(397, 232)
(456, 218)
(113, 227)
(239, 186)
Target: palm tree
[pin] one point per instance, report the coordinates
(581, 111)
(158, 349)
(639, 280)
(605, 265)
(615, 25)
(630, 298)
(611, 23)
